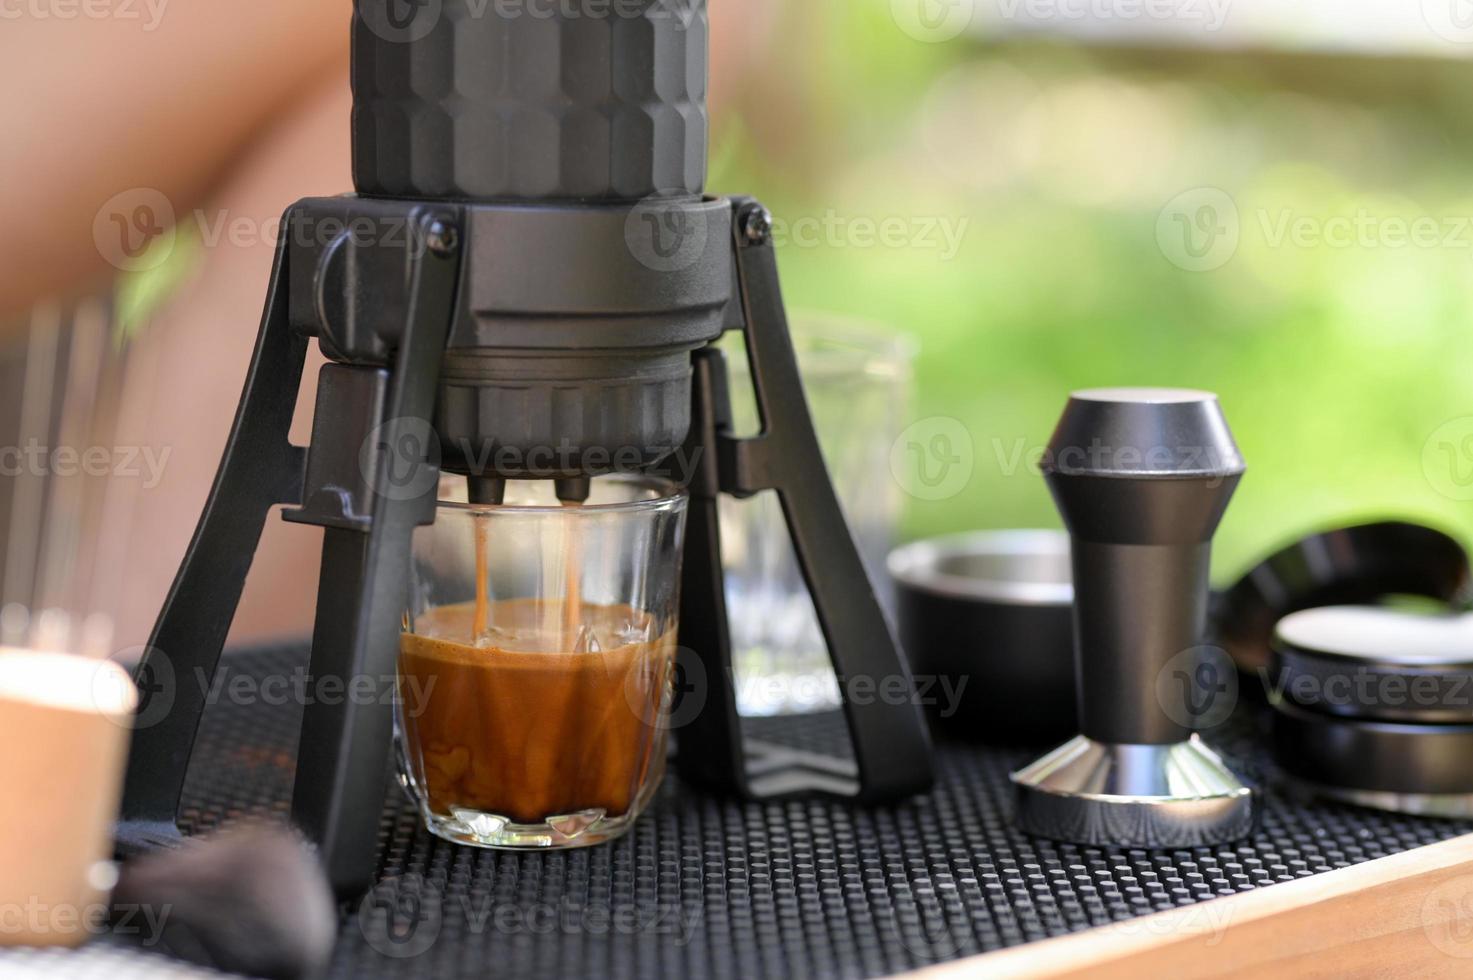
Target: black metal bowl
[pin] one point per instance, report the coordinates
(986, 619)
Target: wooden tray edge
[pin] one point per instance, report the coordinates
(1409, 914)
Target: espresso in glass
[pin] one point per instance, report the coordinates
(536, 664)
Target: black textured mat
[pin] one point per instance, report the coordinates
(705, 887)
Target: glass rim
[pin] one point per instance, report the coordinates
(668, 494)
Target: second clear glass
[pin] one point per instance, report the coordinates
(857, 377)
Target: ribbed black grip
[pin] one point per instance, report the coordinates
(528, 100)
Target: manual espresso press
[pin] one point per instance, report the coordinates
(526, 286)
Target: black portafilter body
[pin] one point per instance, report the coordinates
(594, 264)
(1142, 478)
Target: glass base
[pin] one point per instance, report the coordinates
(583, 829)
(476, 828)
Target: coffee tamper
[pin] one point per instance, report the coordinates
(1142, 478)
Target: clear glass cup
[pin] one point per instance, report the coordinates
(537, 662)
(857, 377)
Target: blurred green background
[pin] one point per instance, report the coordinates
(1336, 330)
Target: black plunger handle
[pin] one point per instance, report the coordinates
(509, 102)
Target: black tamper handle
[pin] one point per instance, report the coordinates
(1142, 477)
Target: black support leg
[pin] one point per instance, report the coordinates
(259, 470)
(343, 760)
(711, 750)
(891, 744)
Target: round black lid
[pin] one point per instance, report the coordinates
(1375, 663)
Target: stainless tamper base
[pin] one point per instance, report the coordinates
(1150, 796)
